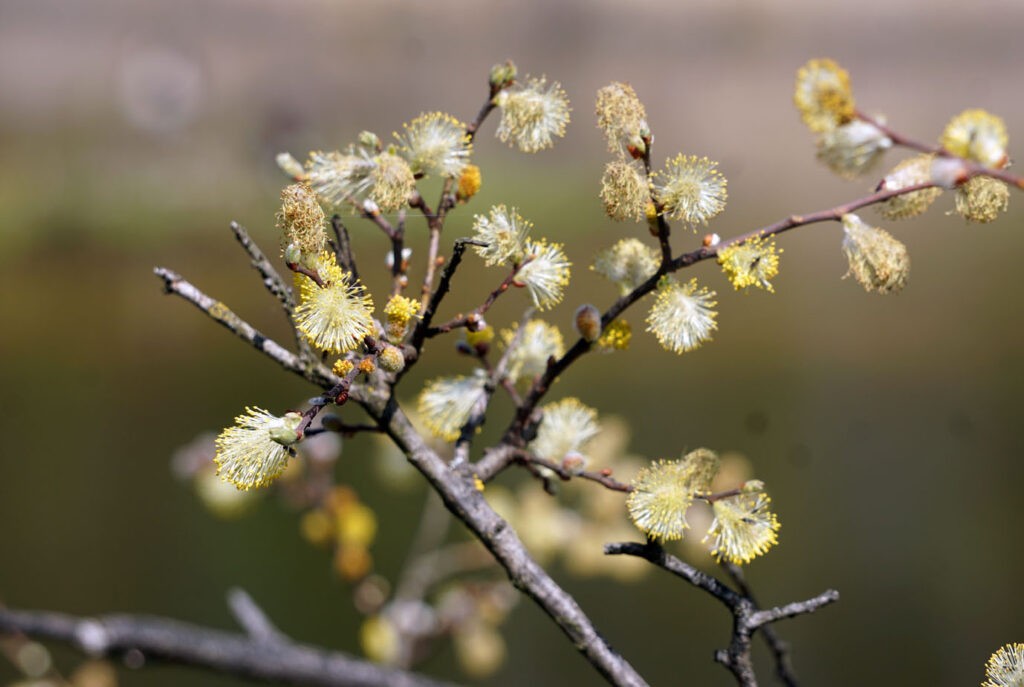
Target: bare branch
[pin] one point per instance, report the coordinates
(252, 618)
(271, 279)
(177, 642)
(747, 619)
(174, 283)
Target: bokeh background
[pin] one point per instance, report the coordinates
(888, 429)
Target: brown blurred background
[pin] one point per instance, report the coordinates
(887, 429)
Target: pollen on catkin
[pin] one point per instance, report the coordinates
(659, 500)
(624, 191)
(909, 172)
(301, 219)
(981, 199)
(682, 317)
(823, 95)
(622, 117)
(254, 451)
(337, 317)
(977, 135)
(342, 367)
(752, 263)
(1005, 668)
(469, 183)
(532, 114)
(616, 336)
(663, 491)
(877, 261)
(691, 189)
(544, 273)
(398, 314)
(744, 527)
(504, 232)
(436, 143)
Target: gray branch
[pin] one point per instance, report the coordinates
(276, 660)
(457, 487)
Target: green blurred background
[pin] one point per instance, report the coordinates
(887, 429)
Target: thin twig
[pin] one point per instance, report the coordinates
(344, 254)
(474, 315)
(419, 335)
(747, 618)
(271, 279)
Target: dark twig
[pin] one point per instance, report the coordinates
(474, 315)
(398, 264)
(602, 477)
(344, 254)
(747, 618)
(423, 326)
(163, 639)
(779, 648)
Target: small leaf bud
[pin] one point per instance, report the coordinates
(588, 322)
(502, 75)
(292, 254)
(286, 432)
(290, 166)
(368, 139)
(948, 172)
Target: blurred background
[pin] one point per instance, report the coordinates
(886, 428)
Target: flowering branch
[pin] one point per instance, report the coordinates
(338, 319)
(263, 655)
(747, 618)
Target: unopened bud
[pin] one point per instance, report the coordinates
(292, 254)
(588, 322)
(502, 75)
(368, 139)
(948, 172)
(391, 359)
(574, 463)
(290, 166)
(285, 432)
